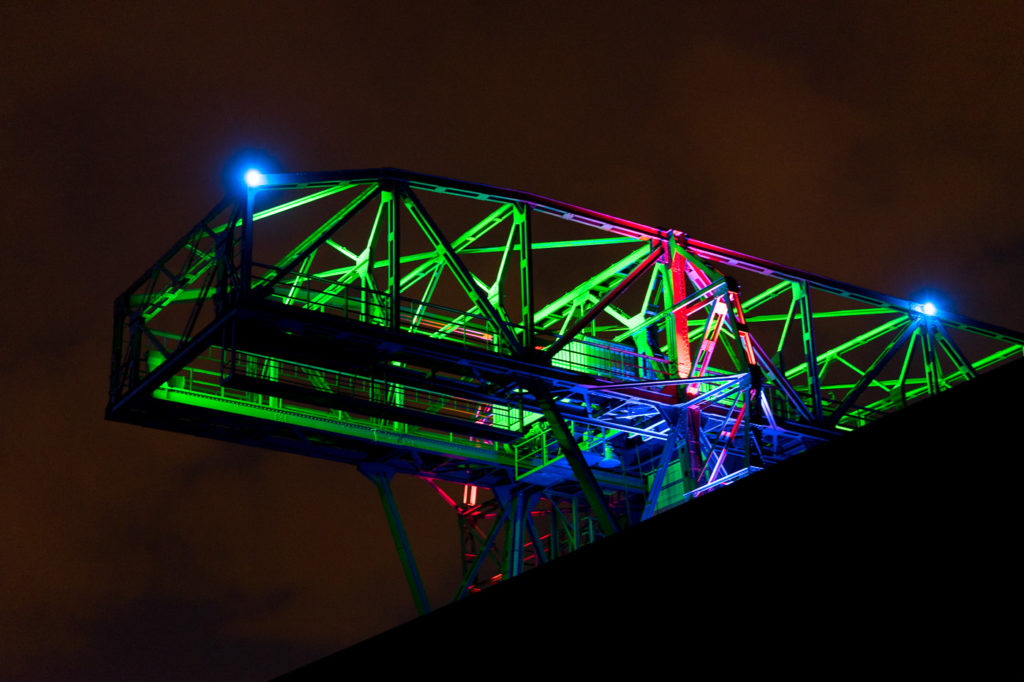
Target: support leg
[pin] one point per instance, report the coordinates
(382, 479)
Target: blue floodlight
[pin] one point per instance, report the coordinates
(254, 178)
(929, 308)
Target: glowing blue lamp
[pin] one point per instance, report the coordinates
(254, 178)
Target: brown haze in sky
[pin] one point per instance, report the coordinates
(876, 143)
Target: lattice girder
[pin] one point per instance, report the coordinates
(494, 338)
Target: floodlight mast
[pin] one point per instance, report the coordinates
(337, 315)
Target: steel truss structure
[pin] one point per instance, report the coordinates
(573, 372)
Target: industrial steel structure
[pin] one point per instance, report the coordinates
(572, 372)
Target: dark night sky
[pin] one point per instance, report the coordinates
(876, 143)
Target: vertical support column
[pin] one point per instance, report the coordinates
(394, 253)
(247, 237)
(228, 350)
(223, 251)
(514, 535)
(931, 363)
(802, 296)
(522, 225)
(381, 478)
(899, 390)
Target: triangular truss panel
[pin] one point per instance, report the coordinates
(571, 372)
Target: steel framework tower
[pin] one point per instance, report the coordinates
(572, 371)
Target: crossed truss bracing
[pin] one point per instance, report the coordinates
(571, 371)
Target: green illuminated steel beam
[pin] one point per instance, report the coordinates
(802, 295)
(394, 250)
(317, 237)
(458, 245)
(769, 294)
(289, 205)
(599, 307)
(612, 274)
(955, 354)
(846, 346)
(820, 315)
(522, 221)
(458, 268)
(932, 371)
(872, 372)
(470, 250)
